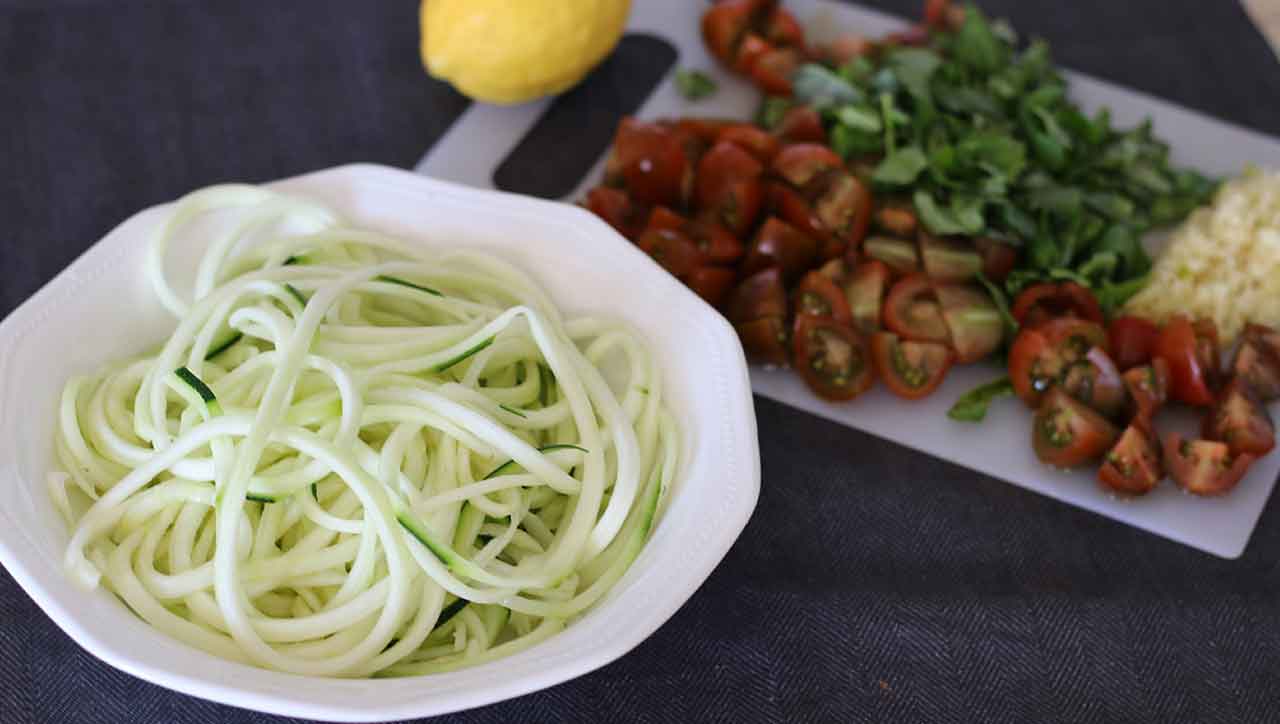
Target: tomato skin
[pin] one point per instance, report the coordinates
(1239, 419)
(753, 140)
(898, 222)
(800, 164)
(935, 13)
(998, 258)
(1040, 355)
(616, 208)
(1257, 362)
(1203, 467)
(1132, 467)
(760, 295)
(1148, 387)
(704, 130)
(749, 51)
(1132, 339)
(832, 359)
(728, 186)
(975, 327)
(801, 124)
(672, 249)
(819, 296)
(724, 24)
(773, 69)
(765, 340)
(844, 208)
(1188, 371)
(911, 370)
(865, 290)
(1065, 432)
(782, 28)
(651, 161)
(1041, 302)
(1096, 382)
(792, 208)
(712, 283)
(714, 242)
(912, 311)
(779, 244)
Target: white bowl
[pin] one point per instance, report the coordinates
(100, 308)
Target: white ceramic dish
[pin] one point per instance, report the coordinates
(100, 308)
(482, 137)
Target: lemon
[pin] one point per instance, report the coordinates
(511, 51)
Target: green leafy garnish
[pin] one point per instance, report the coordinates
(694, 84)
(972, 405)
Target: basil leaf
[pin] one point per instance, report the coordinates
(972, 405)
(859, 118)
(914, 67)
(962, 216)
(902, 168)
(694, 84)
(977, 46)
(821, 88)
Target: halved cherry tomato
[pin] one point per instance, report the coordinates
(724, 24)
(1096, 382)
(898, 254)
(801, 124)
(1240, 420)
(754, 140)
(948, 260)
(865, 292)
(1256, 364)
(1041, 302)
(1203, 467)
(832, 358)
(1065, 432)
(673, 250)
(972, 320)
(912, 311)
(998, 258)
(778, 244)
(728, 186)
(845, 48)
(935, 13)
(792, 208)
(773, 70)
(712, 240)
(1190, 369)
(749, 51)
(712, 283)
(760, 295)
(844, 208)
(1209, 350)
(782, 28)
(664, 218)
(704, 129)
(836, 270)
(911, 370)
(1132, 467)
(617, 208)
(1148, 387)
(897, 221)
(1132, 339)
(819, 296)
(800, 164)
(651, 161)
(1040, 355)
(765, 340)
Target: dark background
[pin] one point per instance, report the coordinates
(873, 583)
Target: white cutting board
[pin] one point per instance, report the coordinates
(481, 138)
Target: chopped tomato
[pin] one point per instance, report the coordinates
(936, 12)
(617, 208)
(1257, 364)
(998, 258)
(792, 208)
(672, 249)
(972, 320)
(1065, 432)
(897, 221)
(651, 161)
(898, 254)
(749, 51)
(664, 218)
(1191, 370)
(1132, 467)
(1148, 387)
(1041, 355)
(1133, 339)
(760, 295)
(845, 48)
(704, 129)
(765, 340)
(754, 140)
(773, 70)
(1240, 420)
(1041, 302)
(782, 28)
(817, 295)
(800, 164)
(865, 292)
(725, 23)
(844, 208)
(712, 283)
(713, 241)
(801, 124)
(729, 187)
(911, 370)
(948, 260)
(912, 311)
(1203, 467)
(779, 244)
(831, 357)
(1096, 382)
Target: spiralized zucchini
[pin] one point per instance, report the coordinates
(357, 457)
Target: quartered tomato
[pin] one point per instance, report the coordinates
(725, 24)
(1065, 432)
(778, 244)
(652, 161)
(673, 250)
(782, 28)
(753, 139)
(998, 258)
(832, 358)
(899, 255)
(936, 13)
(1192, 360)
(765, 340)
(760, 295)
(801, 124)
(1041, 302)
(972, 320)
(714, 242)
(1096, 382)
(844, 208)
(749, 51)
(897, 221)
(773, 70)
(1257, 361)
(1148, 387)
(792, 208)
(1132, 467)
(1041, 355)
(1240, 420)
(704, 129)
(712, 283)
(865, 290)
(801, 164)
(910, 369)
(948, 260)
(617, 208)
(819, 296)
(912, 311)
(729, 187)
(1133, 339)
(1203, 467)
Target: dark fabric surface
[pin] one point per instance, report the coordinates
(873, 584)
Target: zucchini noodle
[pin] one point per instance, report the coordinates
(358, 457)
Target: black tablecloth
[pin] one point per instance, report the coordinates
(873, 583)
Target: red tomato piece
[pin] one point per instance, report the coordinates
(760, 295)
(782, 28)
(910, 370)
(1065, 432)
(729, 186)
(672, 249)
(749, 51)
(725, 23)
(1190, 369)
(912, 311)
(1203, 467)
(712, 283)
(1041, 355)
(897, 221)
(801, 164)
(865, 290)
(616, 208)
(1239, 419)
(844, 208)
(753, 139)
(1148, 387)
(765, 340)
(778, 244)
(1257, 361)
(651, 161)
(1041, 302)
(832, 359)
(819, 296)
(773, 70)
(1132, 467)
(801, 124)
(792, 208)
(1132, 339)
(1096, 382)
(998, 258)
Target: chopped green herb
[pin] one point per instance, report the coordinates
(694, 84)
(972, 405)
